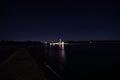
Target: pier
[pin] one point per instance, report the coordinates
(20, 66)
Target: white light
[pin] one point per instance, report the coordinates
(50, 44)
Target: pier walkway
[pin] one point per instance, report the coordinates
(20, 66)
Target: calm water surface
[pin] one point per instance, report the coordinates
(85, 61)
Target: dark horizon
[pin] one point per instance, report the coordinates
(62, 40)
(51, 20)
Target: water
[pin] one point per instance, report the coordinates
(77, 61)
(85, 61)
(92, 61)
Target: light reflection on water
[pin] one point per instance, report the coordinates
(55, 58)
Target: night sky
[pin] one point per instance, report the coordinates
(47, 20)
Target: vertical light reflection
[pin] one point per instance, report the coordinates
(61, 58)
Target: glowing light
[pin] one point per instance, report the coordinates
(60, 44)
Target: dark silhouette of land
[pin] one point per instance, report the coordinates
(2, 42)
(95, 41)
